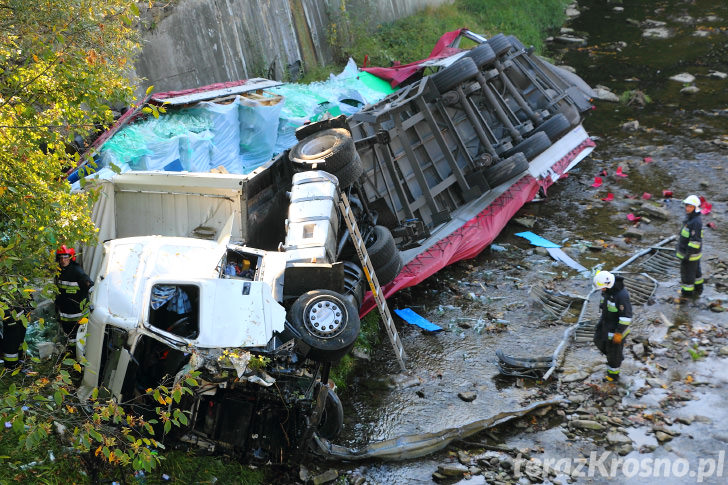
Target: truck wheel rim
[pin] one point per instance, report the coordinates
(325, 318)
(318, 145)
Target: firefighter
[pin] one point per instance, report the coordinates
(11, 340)
(73, 288)
(614, 321)
(689, 249)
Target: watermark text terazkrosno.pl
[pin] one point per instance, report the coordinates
(611, 465)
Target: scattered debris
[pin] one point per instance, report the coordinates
(525, 221)
(556, 303)
(683, 77)
(537, 240)
(531, 367)
(467, 396)
(562, 257)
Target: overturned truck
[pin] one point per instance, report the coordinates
(262, 327)
(254, 281)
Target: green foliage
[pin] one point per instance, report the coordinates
(341, 372)
(258, 362)
(352, 33)
(369, 334)
(102, 432)
(188, 467)
(62, 63)
(526, 19)
(696, 353)
(634, 97)
(367, 340)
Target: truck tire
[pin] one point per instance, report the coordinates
(554, 127)
(516, 43)
(330, 150)
(327, 322)
(349, 173)
(380, 247)
(332, 418)
(355, 285)
(505, 170)
(454, 74)
(387, 273)
(531, 146)
(500, 44)
(482, 55)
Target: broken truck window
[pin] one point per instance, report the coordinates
(175, 309)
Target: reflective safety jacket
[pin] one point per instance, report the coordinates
(616, 308)
(73, 288)
(690, 242)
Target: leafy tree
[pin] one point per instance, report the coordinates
(62, 62)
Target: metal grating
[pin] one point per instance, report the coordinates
(661, 262)
(555, 303)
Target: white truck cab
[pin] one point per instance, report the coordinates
(164, 306)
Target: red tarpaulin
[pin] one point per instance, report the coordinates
(470, 239)
(400, 72)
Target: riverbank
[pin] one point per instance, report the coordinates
(666, 420)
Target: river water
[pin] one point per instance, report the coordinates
(673, 149)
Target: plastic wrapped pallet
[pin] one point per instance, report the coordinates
(163, 154)
(195, 151)
(258, 131)
(225, 134)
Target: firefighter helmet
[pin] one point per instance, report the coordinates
(692, 200)
(65, 251)
(603, 279)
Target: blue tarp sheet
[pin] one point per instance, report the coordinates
(537, 240)
(409, 316)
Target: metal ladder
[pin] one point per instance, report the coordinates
(366, 264)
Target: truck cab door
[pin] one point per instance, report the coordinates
(238, 313)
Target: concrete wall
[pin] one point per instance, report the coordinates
(208, 41)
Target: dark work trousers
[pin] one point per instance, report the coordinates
(12, 341)
(613, 352)
(691, 277)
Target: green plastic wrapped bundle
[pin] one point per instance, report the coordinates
(178, 123)
(345, 93)
(129, 145)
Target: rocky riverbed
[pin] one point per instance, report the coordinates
(661, 126)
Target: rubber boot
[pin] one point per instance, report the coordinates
(612, 375)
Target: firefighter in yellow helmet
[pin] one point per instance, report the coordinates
(690, 249)
(614, 321)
